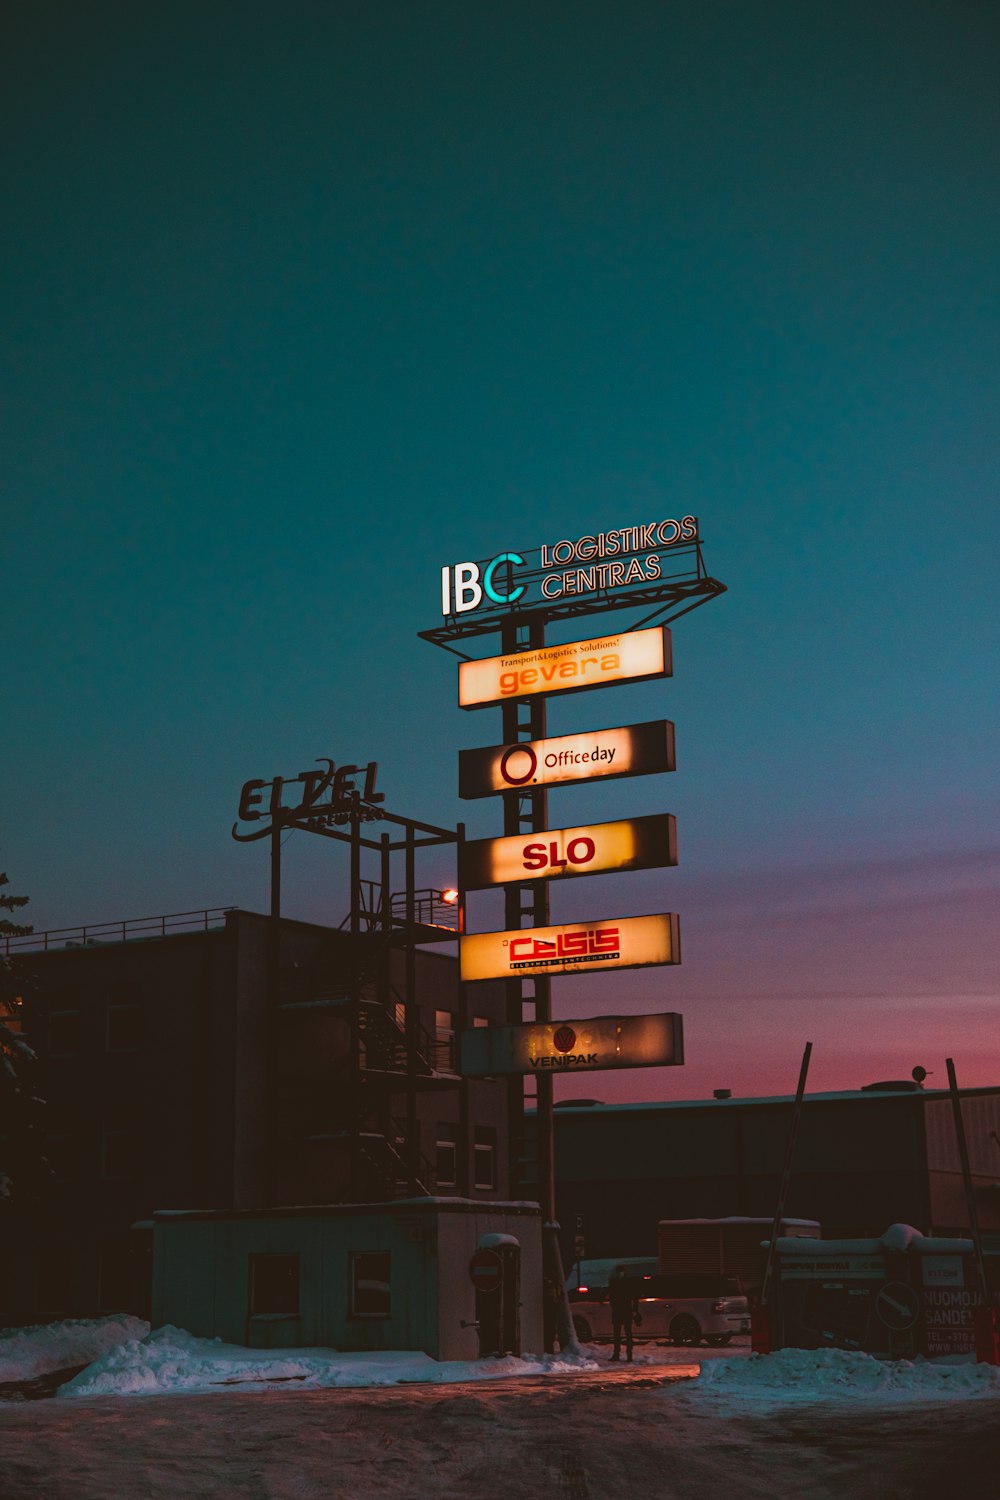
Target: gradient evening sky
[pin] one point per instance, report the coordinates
(305, 300)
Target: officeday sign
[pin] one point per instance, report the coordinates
(646, 843)
(576, 948)
(625, 558)
(601, 754)
(633, 656)
(598, 1044)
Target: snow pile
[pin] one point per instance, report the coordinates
(26, 1353)
(809, 1375)
(171, 1360)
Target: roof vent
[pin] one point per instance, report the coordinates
(722, 1093)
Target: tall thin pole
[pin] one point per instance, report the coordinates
(786, 1174)
(970, 1196)
(526, 811)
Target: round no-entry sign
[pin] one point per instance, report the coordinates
(485, 1271)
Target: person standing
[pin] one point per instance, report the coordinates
(624, 1310)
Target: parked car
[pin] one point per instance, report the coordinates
(684, 1309)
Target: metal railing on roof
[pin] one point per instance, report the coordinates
(132, 929)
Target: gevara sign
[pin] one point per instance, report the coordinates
(601, 754)
(601, 1042)
(633, 656)
(313, 799)
(594, 563)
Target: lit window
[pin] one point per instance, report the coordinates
(446, 1170)
(444, 1037)
(478, 1021)
(274, 1286)
(370, 1284)
(484, 1158)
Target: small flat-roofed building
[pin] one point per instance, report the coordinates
(380, 1276)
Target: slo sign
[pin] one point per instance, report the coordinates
(629, 750)
(632, 656)
(600, 1043)
(631, 844)
(617, 943)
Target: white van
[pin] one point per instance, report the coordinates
(685, 1309)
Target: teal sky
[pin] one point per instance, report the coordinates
(303, 301)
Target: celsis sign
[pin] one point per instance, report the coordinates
(573, 1046)
(615, 943)
(607, 560)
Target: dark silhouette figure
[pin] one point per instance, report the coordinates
(624, 1310)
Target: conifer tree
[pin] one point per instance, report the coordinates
(22, 1159)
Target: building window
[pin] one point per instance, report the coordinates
(62, 1155)
(274, 1285)
(399, 1014)
(370, 1284)
(55, 1279)
(446, 1170)
(484, 1158)
(117, 1288)
(121, 1154)
(65, 1033)
(444, 1038)
(478, 1021)
(124, 1022)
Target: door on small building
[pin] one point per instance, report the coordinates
(498, 1307)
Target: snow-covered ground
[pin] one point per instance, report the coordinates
(317, 1425)
(26, 1353)
(798, 1377)
(171, 1360)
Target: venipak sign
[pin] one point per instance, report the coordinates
(602, 1042)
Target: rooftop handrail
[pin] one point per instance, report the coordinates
(132, 928)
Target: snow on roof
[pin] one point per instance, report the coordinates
(833, 1097)
(896, 1237)
(739, 1219)
(392, 1205)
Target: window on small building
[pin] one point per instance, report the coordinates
(481, 1021)
(484, 1157)
(370, 1296)
(446, 1168)
(274, 1285)
(65, 1033)
(399, 1014)
(124, 1026)
(444, 1037)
